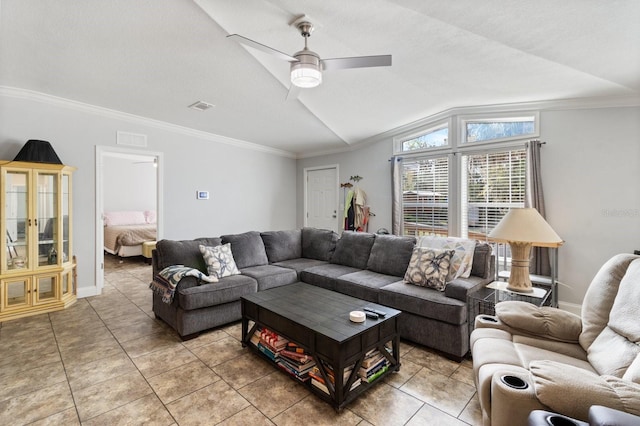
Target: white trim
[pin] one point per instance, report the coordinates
(136, 119)
(305, 177)
(83, 292)
(106, 151)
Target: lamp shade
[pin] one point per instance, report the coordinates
(525, 225)
(36, 151)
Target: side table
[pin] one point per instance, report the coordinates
(484, 300)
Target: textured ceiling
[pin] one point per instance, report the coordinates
(153, 58)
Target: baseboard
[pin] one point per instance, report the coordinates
(570, 307)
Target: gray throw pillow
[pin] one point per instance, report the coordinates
(248, 249)
(353, 249)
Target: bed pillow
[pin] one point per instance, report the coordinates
(150, 216)
(429, 267)
(124, 218)
(462, 261)
(219, 261)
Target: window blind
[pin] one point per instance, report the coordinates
(492, 184)
(425, 196)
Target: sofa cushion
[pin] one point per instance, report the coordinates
(270, 276)
(282, 245)
(390, 254)
(353, 249)
(364, 285)
(325, 275)
(228, 289)
(318, 244)
(219, 260)
(423, 301)
(248, 249)
(187, 253)
(429, 267)
(300, 264)
(481, 266)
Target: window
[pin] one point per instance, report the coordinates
(467, 183)
(425, 196)
(434, 137)
(492, 184)
(476, 130)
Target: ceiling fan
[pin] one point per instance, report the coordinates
(307, 66)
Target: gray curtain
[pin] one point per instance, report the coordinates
(396, 202)
(534, 197)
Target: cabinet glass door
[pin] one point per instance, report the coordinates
(47, 218)
(16, 217)
(16, 293)
(66, 206)
(45, 288)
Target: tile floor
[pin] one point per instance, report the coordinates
(107, 361)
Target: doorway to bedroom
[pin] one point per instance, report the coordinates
(128, 189)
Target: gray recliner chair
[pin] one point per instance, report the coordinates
(529, 358)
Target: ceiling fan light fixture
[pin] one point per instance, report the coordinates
(306, 71)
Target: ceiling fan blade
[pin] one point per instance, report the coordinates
(292, 93)
(356, 62)
(248, 42)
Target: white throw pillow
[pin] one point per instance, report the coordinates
(219, 260)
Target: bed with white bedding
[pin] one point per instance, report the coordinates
(125, 231)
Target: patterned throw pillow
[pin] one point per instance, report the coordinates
(429, 267)
(462, 260)
(219, 261)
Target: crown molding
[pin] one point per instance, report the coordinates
(550, 105)
(13, 92)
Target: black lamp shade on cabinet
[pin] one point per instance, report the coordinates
(36, 151)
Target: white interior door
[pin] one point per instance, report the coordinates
(322, 198)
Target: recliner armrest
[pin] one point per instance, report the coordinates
(572, 390)
(547, 322)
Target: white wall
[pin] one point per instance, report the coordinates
(591, 179)
(250, 189)
(129, 184)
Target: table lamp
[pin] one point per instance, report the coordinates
(522, 229)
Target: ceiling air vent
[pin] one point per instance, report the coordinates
(201, 106)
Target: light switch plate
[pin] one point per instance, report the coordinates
(202, 195)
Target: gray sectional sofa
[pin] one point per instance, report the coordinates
(363, 265)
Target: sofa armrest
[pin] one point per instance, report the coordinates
(459, 288)
(547, 322)
(572, 390)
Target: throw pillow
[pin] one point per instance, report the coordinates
(219, 261)
(429, 267)
(462, 260)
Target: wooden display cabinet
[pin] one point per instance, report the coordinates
(37, 267)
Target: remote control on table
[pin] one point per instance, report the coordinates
(379, 313)
(371, 315)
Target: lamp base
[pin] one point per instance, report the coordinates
(519, 277)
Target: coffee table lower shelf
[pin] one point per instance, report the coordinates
(344, 350)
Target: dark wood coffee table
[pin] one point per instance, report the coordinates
(318, 320)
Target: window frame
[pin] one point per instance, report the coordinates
(432, 127)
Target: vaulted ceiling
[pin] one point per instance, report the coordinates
(153, 58)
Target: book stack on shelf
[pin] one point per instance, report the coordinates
(269, 343)
(318, 381)
(296, 362)
(373, 366)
